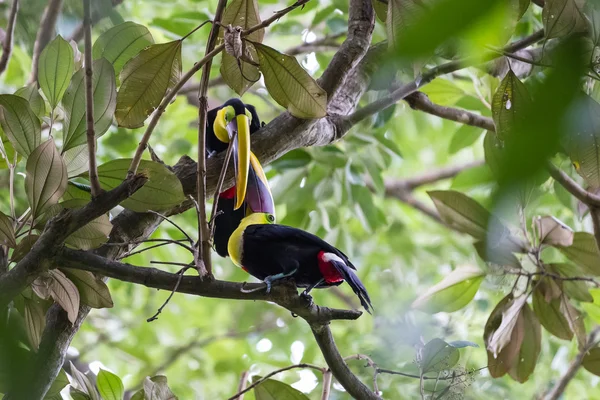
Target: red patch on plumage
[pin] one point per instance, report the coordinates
(329, 272)
(228, 194)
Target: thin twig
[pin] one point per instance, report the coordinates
(371, 364)
(165, 243)
(264, 378)
(276, 15)
(213, 214)
(195, 29)
(155, 316)
(8, 39)
(327, 377)
(174, 224)
(428, 378)
(89, 100)
(242, 385)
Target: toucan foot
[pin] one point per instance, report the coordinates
(269, 286)
(308, 298)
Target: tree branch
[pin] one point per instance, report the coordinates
(588, 198)
(44, 34)
(430, 177)
(558, 389)
(89, 100)
(8, 39)
(78, 33)
(56, 231)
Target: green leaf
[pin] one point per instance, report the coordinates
(496, 253)
(234, 76)
(577, 290)
(443, 91)
(400, 15)
(77, 394)
(275, 390)
(530, 347)
(23, 248)
(460, 212)
(156, 388)
(7, 232)
(59, 383)
(438, 356)
(35, 321)
(92, 235)
(92, 290)
(492, 148)
(35, 99)
(83, 383)
(459, 344)
(76, 160)
(500, 362)
(584, 252)
(121, 43)
(582, 144)
(380, 8)
(21, 125)
(550, 315)
(110, 386)
(473, 177)
(145, 80)
(55, 69)
(562, 17)
(46, 179)
(244, 13)
(507, 327)
(454, 292)
(508, 104)
(290, 85)
(366, 211)
(591, 361)
(65, 293)
(465, 136)
(325, 12)
(74, 104)
(162, 191)
(6, 148)
(294, 159)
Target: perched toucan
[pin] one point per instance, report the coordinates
(271, 252)
(222, 123)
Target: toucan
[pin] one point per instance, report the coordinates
(222, 124)
(271, 252)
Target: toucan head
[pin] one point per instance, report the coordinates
(232, 122)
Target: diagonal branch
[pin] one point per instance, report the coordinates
(44, 34)
(8, 39)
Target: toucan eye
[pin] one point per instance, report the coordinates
(271, 218)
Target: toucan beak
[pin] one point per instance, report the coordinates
(241, 148)
(258, 196)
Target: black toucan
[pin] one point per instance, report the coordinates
(222, 124)
(271, 252)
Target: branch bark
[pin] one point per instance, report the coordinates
(44, 34)
(8, 39)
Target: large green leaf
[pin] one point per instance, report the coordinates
(275, 390)
(109, 385)
(145, 80)
(46, 179)
(503, 350)
(562, 17)
(508, 104)
(55, 69)
(460, 212)
(162, 191)
(550, 315)
(584, 252)
(400, 15)
(7, 232)
(74, 104)
(290, 85)
(35, 321)
(454, 292)
(92, 290)
(35, 99)
(76, 160)
(582, 144)
(591, 361)
(465, 136)
(121, 43)
(438, 356)
(530, 348)
(19, 122)
(577, 290)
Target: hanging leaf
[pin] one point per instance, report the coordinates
(290, 85)
(401, 14)
(550, 315)
(499, 363)
(35, 321)
(553, 232)
(162, 191)
(438, 356)
(577, 290)
(7, 232)
(582, 143)
(23, 248)
(460, 212)
(380, 7)
(562, 18)
(56, 66)
(59, 383)
(454, 292)
(591, 361)
(46, 179)
(234, 76)
(83, 383)
(65, 293)
(465, 136)
(272, 389)
(157, 388)
(92, 290)
(146, 78)
(121, 43)
(584, 252)
(503, 335)
(530, 348)
(110, 386)
(77, 394)
(509, 102)
(35, 99)
(19, 122)
(76, 160)
(92, 235)
(74, 104)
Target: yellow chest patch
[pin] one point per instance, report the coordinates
(236, 244)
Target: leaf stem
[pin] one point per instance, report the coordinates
(89, 99)
(194, 30)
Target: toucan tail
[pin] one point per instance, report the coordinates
(355, 283)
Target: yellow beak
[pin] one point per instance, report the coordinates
(241, 146)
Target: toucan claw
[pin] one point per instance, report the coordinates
(308, 298)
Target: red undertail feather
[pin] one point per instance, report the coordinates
(228, 194)
(328, 270)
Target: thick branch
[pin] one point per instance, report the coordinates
(56, 231)
(284, 295)
(573, 187)
(338, 366)
(8, 39)
(44, 34)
